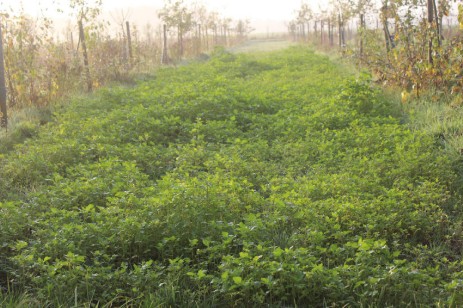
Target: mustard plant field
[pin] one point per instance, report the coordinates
(268, 180)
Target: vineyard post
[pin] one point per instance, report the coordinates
(129, 43)
(3, 111)
(85, 55)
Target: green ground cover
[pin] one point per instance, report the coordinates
(277, 180)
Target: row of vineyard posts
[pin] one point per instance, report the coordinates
(43, 64)
(414, 44)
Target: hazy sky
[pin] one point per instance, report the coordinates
(256, 9)
(264, 14)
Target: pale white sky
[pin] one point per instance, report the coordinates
(258, 9)
(263, 13)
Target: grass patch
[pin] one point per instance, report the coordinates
(23, 125)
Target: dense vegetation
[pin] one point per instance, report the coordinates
(275, 180)
(45, 62)
(415, 45)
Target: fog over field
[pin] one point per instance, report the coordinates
(265, 16)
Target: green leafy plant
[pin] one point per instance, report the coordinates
(242, 180)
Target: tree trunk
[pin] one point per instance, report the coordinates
(330, 32)
(430, 22)
(85, 55)
(322, 24)
(72, 44)
(215, 35)
(340, 30)
(199, 38)
(387, 35)
(165, 57)
(438, 19)
(303, 31)
(180, 42)
(129, 43)
(315, 28)
(224, 35)
(362, 29)
(3, 111)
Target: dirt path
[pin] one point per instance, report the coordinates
(262, 45)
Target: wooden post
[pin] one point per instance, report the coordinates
(165, 57)
(85, 55)
(3, 109)
(129, 43)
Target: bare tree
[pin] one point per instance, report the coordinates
(212, 24)
(177, 14)
(304, 16)
(243, 28)
(86, 11)
(121, 19)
